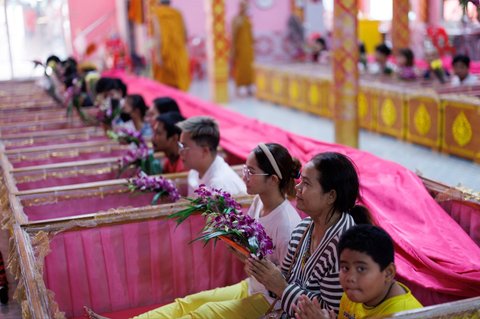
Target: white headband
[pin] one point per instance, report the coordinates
(271, 159)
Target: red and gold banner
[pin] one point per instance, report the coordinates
(400, 26)
(345, 72)
(217, 50)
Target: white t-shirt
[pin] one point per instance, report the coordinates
(218, 175)
(469, 80)
(279, 225)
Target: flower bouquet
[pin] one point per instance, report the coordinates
(225, 221)
(108, 111)
(126, 135)
(155, 184)
(138, 155)
(142, 159)
(74, 98)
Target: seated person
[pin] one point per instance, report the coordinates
(165, 139)
(320, 51)
(109, 88)
(381, 65)
(198, 150)
(161, 105)
(367, 276)
(109, 92)
(269, 173)
(461, 69)
(406, 65)
(435, 67)
(133, 115)
(327, 193)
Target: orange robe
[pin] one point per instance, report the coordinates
(243, 55)
(173, 69)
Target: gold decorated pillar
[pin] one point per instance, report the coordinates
(217, 50)
(400, 26)
(345, 72)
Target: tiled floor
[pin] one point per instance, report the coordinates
(441, 167)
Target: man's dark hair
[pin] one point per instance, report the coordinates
(170, 120)
(461, 58)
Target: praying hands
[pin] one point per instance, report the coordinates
(308, 309)
(267, 274)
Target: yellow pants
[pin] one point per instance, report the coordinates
(231, 302)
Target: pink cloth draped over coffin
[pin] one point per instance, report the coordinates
(433, 254)
(134, 265)
(81, 156)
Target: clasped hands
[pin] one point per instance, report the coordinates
(308, 309)
(267, 274)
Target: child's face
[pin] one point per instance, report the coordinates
(361, 277)
(460, 70)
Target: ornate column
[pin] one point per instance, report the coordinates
(217, 50)
(345, 71)
(400, 27)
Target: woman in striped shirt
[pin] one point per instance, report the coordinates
(327, 193)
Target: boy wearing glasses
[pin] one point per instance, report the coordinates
(198, 150)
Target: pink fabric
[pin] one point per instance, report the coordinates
(82, 156)
(55, 141)
(466, 215)
(50, 182)
(39, 127)
(135, 265)
(432, 250)
(81, 206)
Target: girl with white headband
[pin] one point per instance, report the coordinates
(270, 173)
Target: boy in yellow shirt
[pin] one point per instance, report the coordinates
(367, 276)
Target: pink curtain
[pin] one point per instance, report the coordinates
(466, 215)
(135, 265)
(432, 250)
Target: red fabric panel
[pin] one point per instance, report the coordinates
(432, 250)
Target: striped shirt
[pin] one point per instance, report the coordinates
(319, 276)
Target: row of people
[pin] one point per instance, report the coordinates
(323, 265)
(404, 68)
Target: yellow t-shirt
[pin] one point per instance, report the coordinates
(355, 310)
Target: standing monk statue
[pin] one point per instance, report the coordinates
(171, 64)
(242, 49)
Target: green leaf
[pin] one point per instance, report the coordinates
(253, 244)
(157, 197)
(182, 215)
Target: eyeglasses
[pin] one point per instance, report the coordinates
(247, 173)
(182, 147)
